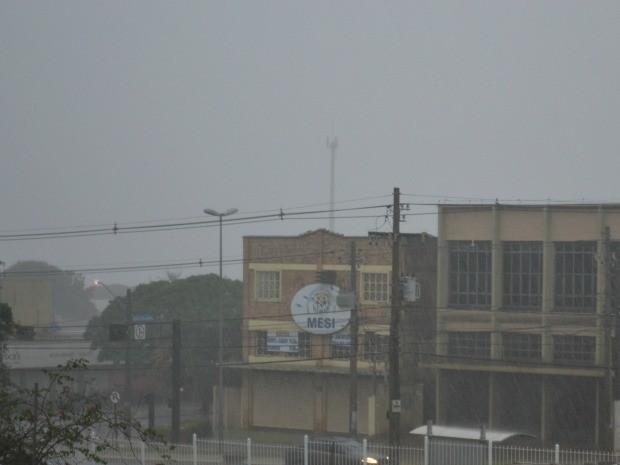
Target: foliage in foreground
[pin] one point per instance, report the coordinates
(65, 422)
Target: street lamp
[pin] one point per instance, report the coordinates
(128, 321)
(220, 394)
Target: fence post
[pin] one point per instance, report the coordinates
(142, 453)
(364, 450)
(305, 449)
(249, 451)
(426, 450)
(490, 453)
(194, 449)
(557, 454)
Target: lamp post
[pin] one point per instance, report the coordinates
(128, 321)
(220, 394)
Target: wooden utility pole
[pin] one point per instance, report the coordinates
(176, 381)
(394, 361)
(129, 335)
(353, 351)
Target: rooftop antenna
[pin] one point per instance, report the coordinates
(332, 144)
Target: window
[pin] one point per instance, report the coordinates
(305, 345)
(469, 344)
(574, 349)
(341, 345)
(470, 273)
(375, 347)
(522, 274)
(261, 343)
(575, 275)
(268, 285)
(522, 347)
(375, 287)
(615, 275)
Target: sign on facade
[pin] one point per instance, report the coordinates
(341, 339)
(283, 341)
(315, 310)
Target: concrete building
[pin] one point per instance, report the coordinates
(297, 350)
(526, 305)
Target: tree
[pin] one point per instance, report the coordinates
(7, 327)
(193, 300)
(64, 422)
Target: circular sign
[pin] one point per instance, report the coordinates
(315, 310)
(115, 397)
(139, 332)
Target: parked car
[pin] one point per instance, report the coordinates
(334, 450)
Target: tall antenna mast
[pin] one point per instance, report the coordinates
(332, 145)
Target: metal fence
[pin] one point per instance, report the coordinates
(435, 451)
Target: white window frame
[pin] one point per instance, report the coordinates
(276, 288)
(370, 296)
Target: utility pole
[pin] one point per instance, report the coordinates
(176, 381)
(394, 362)
(353, 352)
(128, 338)
(332, 145)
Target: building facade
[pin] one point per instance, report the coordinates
(526, 305)
(297, 331)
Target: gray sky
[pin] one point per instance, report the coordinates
(146, 112)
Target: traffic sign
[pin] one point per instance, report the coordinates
(139, 332)
(395, 405)
(115, 397)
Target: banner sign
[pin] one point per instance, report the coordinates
(341, 339)
(283, 342)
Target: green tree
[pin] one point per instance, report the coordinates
(7, 328)
(64, 422)
(194, 301)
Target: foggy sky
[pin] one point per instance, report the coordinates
(146, 112)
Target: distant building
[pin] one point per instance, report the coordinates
(31, 300)
(527, 299)
(48, 335)
(297, 339)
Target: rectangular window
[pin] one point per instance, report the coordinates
(375, 287)
(577, 350)
(267, 285)
(375, 347)
(261, 344)
(575, 276)
(615, 275)
(341, 345)
(522, 347)
(469, 344)
(470, 274)
(305, 345)
(522, 275)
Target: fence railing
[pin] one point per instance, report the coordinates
(435, 451)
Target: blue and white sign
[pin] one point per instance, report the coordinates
(341, 339)
(283, 341)
(315, 310)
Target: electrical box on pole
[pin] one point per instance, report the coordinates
(410, 288)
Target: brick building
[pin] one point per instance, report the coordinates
(296, 363)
